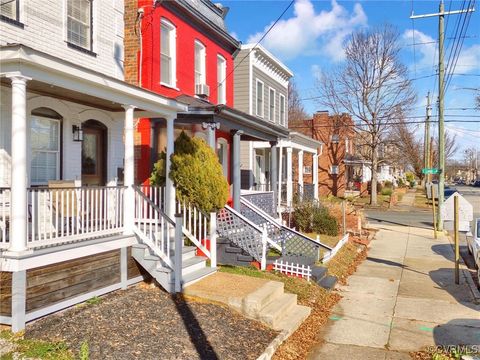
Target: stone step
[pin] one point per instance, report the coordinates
(319, 272)
(276, 309)
(254, 302)
(195, 276)
(193, 264)
(328, 282)
(291, 321)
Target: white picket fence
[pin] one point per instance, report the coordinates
(304, 271)
(336, 249)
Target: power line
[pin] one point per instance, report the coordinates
(397, 122)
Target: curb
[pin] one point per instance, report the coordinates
(273, 346)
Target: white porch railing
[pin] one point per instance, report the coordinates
(63, 215)
(4, 216)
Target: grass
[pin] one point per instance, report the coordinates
(453, 353)
(382, 201)
(325, 239)
(421, 200)
(37, 349)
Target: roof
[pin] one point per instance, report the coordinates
(260, 48)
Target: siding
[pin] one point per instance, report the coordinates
(45, 30)
(241, 82)
(5, 293)
(268, 82)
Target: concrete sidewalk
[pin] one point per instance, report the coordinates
(401, 299)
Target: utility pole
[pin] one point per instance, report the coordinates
(441, 95)
(426, 139)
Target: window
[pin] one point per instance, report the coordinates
(335, 138)
(347, 147)
(167, 54)
(221, 79)
(271, 104)
(282, 110)
(307, 170)
(222, 153)
(259, 98)
(199, 63)
(10, 11)
(45, 145)
(79, 23)
(334, 169)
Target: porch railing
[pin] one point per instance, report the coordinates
(263, 200)
(65, 215)
(4, 216)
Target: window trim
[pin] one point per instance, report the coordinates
(173, 53)
(203, 62)
(89, 50)
(16, 21)
(283, 121)
(223, 84)
(270, 117)
(262, 115)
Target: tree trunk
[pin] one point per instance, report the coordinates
(373, 188)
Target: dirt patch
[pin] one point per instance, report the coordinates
(147, 323)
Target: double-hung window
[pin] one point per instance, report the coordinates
(199, 63)
(167, 54)
(282, 110)
(79, 23)
(271, 104)
(221, 79)
(10, 10)
(259, 98)
(45, 147)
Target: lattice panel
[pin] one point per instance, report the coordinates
(297, 246)
(263, 201)
(240, 232)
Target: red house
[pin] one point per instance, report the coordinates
(181, 51)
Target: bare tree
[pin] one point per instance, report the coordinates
(408, 148)
(296, 111)
(451, 147)
(372, 86)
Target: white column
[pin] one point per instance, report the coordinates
(315, 176)
(300, 173)
(273, 170)
(129, 171)
(169, 187)
(280, 172)
(210, 127)
(289, 177)
(18, 202)
(236, 169)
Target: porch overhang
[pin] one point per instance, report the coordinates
(234, 120)
(65, 80)
(301, 142)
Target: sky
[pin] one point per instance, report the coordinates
(310, 35)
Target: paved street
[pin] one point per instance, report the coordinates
(402, 298)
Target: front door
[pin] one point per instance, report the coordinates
(260, 172)
(93, 156)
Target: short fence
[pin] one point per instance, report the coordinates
(336, 249)
(4, 216)
(64, 215)
(292, 269)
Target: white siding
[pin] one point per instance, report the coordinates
(44, 30)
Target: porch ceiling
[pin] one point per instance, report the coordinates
(63, 79)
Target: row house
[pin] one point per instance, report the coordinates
(261, 90)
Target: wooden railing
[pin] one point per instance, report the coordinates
(4, 216)
(156, 194)
(65, 215)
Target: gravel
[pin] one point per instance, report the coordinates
(148, 323)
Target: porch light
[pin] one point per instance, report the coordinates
(77, 133)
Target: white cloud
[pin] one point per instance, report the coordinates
(468, 60)
(308, 31)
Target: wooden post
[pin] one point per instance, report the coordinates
(178, 253)
(263, 265)
(434, 215)
(213, 239)
(344, 222)
(457, 249)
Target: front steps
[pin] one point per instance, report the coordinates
(270, 305)
(193, 267)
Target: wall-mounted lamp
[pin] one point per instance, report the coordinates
(77, 133)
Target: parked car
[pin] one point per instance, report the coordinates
(473, 243)
(476, 183)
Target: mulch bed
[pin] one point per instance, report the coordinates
(147, 323)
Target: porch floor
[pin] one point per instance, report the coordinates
(144, 322)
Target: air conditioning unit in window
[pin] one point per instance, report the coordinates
(202, 90)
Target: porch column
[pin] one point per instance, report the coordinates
(211, 127)
(169, 187)
(289, 177)
(18, 202)
(129, 171)
(300, 173)
(273, 170)
(280, 172)
(315, 176)
(236, 169)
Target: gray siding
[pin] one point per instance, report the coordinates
(241, 82)
(268, 83)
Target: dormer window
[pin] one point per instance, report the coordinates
(199, 63)
(79, 24)
(167, 54)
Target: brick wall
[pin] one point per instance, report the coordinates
(131, 42)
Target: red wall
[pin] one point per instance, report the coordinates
(186, 36)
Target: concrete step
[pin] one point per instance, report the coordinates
(195, 276)
(193, 264)
(254, 302)
(276, 309)
(291, 321)
(328, 282)
(319, 272)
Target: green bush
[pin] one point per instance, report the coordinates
(387, 191)
(400, 182)
(196, 173)
(303, 216)
(388, 184)
(410, 177)
(324, 223)
(379, 187)
(158, 176)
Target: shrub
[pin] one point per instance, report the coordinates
(410, 177)
(388, 184)
(379, 187)
(158, 176)
(302, 216)
(387, 191)
(324, 223)
(196, 173)
(400, 182)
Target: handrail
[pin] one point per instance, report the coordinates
(155, 206)
(93, 187)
